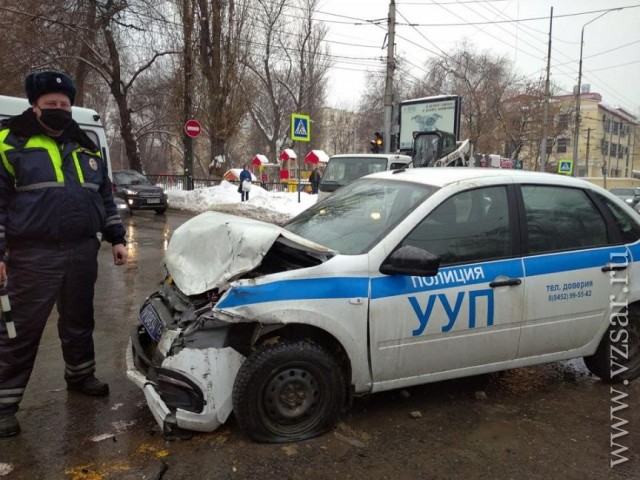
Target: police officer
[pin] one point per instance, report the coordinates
(55, 196)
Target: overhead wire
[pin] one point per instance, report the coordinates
(605, 87)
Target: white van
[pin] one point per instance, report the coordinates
(88, 119)
(344, 169)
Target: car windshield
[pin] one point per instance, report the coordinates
(130, 178)
(345, 170)
(359, 215)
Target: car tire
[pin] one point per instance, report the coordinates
(617, 358)
(287, 392)
(160, 211)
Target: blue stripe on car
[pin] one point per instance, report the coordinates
(290, 290)
(448, 277)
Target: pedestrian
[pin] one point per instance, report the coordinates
(55, 196)
(245, 183)
(264, 179)
(314, 178)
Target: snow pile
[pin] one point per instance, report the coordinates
(225, 197)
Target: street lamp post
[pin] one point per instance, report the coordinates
(576, 130)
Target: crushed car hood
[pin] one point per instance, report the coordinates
(213, 248)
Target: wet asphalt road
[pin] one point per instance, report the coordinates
(549, 422)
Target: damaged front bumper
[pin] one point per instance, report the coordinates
(190, 390)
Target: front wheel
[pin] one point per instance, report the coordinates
(288, 392)
(617, 358)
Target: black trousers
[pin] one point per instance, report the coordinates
(39, 277)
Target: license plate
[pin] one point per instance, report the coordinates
(153, 200)
(152, 323)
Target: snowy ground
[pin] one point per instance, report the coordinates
(274, 207)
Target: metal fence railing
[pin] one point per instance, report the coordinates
(181, 182)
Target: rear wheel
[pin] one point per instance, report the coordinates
(617, 358)
(288, 392)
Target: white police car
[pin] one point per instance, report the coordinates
(397, 279)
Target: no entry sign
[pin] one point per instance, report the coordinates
(192, 128)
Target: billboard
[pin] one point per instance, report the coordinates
(441, 112)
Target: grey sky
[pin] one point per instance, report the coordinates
(611, 52)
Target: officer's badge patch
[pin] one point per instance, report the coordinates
(93, 164)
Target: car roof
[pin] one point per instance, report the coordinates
(442, 176)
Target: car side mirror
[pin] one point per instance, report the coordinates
(409, 260)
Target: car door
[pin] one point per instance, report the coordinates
(569, 271)
(469, 314)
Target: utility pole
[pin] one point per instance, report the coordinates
(543, 147)
(388, 86)
(629, 173)
(587, 158)
(576, 130)
(609, 147)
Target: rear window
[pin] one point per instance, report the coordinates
(345, 170)
(130, 178)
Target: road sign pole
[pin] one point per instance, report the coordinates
(192, 129)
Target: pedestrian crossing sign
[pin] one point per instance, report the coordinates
(565, 167)
(300, 127)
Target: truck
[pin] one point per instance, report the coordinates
(345, 168)
(429, 129)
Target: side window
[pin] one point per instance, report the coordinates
(560, 218)
(94, 138)
(628, 228)
(471, 226)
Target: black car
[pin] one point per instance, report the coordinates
(137, 192)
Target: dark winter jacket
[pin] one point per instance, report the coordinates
(53, 190)
(245, 175)
(315, 177)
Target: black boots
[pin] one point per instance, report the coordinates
(9, 426)
(91, 386)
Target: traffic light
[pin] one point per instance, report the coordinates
(377, 143)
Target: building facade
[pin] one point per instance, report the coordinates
(607, 139)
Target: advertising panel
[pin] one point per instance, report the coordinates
(428, 114)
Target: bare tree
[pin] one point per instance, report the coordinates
(90, 37)
(522, 118)
(310, 70)
(288, 66)
(270, 100)
(483, 81)
(222, 36)
(371, 108)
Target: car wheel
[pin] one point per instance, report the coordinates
(617, 358)
(160, 211)
(287, 392)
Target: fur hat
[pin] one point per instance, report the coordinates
(39, 83)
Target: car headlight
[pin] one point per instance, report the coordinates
(629, 200)
(130, 192)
